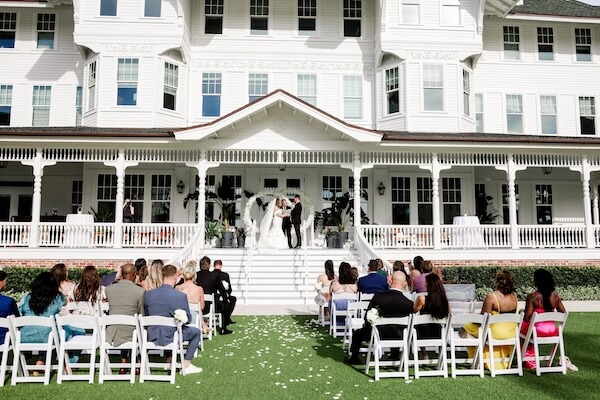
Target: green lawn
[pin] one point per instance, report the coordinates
(288, 357)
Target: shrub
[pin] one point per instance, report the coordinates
(19, 278)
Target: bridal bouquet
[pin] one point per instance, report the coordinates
(180, 316)
(373, 315)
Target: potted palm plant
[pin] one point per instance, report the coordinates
(338, 215)
(212, 232)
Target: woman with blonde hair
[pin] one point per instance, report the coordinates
(194, 293)
(154, 278)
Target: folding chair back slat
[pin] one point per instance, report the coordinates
(87, 343)
(458, 344)
(197, 318)
(107, 348)
(175, 347)
(337, 316)
(438, 343)
(5, 348)
(508, 346)
(534, 340)
(377, 345)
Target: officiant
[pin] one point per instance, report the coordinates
(287, 221)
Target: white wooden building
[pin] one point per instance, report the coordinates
(419, 109)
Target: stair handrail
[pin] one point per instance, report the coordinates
(366, 252)
(190, 250)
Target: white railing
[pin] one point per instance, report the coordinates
(365, 250)
(467, 236)
(14, 234)
(157, 235)
(190, 251)
(553, 236)
(396, 236)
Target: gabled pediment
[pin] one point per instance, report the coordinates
(277, 116)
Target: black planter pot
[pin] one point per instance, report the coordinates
(341, 239)
(331, 241)
(227, 240)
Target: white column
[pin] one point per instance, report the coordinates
(436, 168)
(595, 210)
(585, 170)
(38, 164)
(202, 166)
(120, 166)
(511, 170)
(356, 167)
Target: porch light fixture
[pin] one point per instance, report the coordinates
(547, 170)
(180, 187)
(381, 189)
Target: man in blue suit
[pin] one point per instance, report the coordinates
(8, 305)
(373, 282)
(163, 301)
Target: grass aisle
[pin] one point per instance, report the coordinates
(288, 357)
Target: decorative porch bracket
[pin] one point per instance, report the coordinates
(435, 168)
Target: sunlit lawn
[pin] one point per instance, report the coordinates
(288, 357)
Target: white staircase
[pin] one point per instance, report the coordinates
(277, 276)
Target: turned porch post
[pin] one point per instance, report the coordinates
(120, 166)
(435, 168)
(511, 170)
(202, 166)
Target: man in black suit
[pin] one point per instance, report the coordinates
(296, 217)
(286, 224)
(224, 276)
(212, 284)
(391, 303)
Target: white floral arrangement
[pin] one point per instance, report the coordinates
(180, 316)
(319, 287)
(373, 315)
(225, 285)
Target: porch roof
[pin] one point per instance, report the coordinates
(479, 137)
(558, 8)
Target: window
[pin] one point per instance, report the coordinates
(433, 87)
(307, 16)
(392, 90)
(331, 189)
(352, 17)
(5, 104)
(258, 86)
(425, 201)
(410, 11)
(511, 42)
(548, 114)
(583, 44)
(466, 92)
(106, 195)
(450, 12)
(307, 88)
(134, 191)
(545, 38)
(211, 94)
(400, 200)
(8, 30)
(213, 17)
(160, 194)
(505, 201)
(259, 17)
(152, 8)
(170, 86)
(127, 80)
(231, 191)
(352, 96)
(514, 113)
(41, 105)
(46, 23)
(78, 105)
(587, 115)
(91, 101)
(479, 112)
(543, 204)
(108, 8)
(364, 194)
(451, 199)
(76, 196)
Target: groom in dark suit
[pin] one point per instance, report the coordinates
(286, 224)
(296, 217)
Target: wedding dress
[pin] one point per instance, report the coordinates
(271, 232)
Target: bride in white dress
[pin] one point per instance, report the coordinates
(271, 232)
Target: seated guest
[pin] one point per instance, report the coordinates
(163, 301)
(43, 300)
(399, 266)
(124, 298)
(141, 277)
(60, 273)
(345, 283)
(435, 304)
(88, 293)
(224, 276)
(372, 282)
(418, 281)
(391, 303)
(154, 278)
(8, 305)
(193, 292)
(212, 284)
(326, 279)
(503, 300)
(415, 267)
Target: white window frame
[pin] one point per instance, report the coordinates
(159, 9)
(545, 40)
(307, 88)
(451, 195)
(78, 105)
(212, 86)
(450, 14)
(479, 112)
(583, 41)
(392, 88)
(353, 95)
(589, 111)
(410, 12)
(6, 93)
(9, 25)
(161, 195)
(466, 75)
(108, 15)
(308, 10)
(41, 102)
(548, 114)
(171, 84)
(47, 25)
(92, 78)
(258, 86)
(511, 36)
(514, 110)
(257, 9)
(128, 69)
(214, 9)
(351, 11)
(431, 86)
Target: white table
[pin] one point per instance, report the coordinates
(79, 230)
(468, 233)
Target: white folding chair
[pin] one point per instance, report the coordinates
(84, 344)
(458, 344)
(5, 348)
(355, 319)
(556, 342)
(365, 296)
(438, 343)
(214, 319)
(337, 325)
(513, 340)
(456, 296)
(461, 307)
(108, 348)
(196, 312)
(21, 369)
(377, 345)
(476, 306)
(148, 348)
(322, 319)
